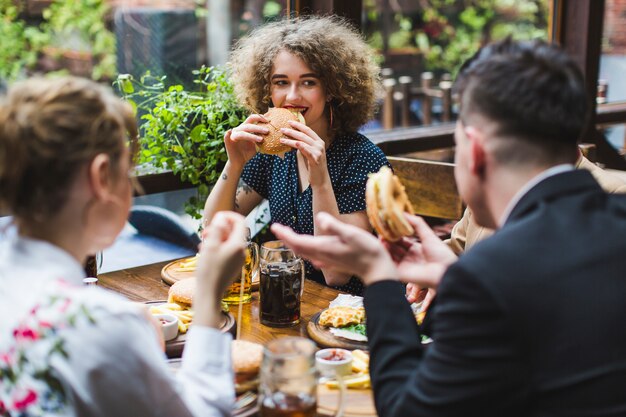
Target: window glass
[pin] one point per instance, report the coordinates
(611, 83)
(424, 43)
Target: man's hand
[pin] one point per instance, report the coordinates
(343, 248)
(422, 259)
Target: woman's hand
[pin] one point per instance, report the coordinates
(424, 260)
(221, 258)
(312, 148)
(240, 141)
(415, 294)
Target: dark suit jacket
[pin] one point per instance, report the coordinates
(530, 322)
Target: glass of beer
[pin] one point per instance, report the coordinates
(280, 286)
(288, 385)
(235, 293)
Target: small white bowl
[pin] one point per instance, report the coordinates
(334, 361)
(169, 325)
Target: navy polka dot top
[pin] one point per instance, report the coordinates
(350, 158)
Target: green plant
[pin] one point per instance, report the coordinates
(183, 131)
(20, 43)
(447, 32)
(79, 25)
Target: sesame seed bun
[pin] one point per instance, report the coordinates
(278, 118)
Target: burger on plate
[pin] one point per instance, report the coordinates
(246, 357)
(181, 293)
(386, 202)
(278, 118)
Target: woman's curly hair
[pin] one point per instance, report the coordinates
(330, 46)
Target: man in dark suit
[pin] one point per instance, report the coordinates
(529, 322)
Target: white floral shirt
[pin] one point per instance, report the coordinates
(70, 350)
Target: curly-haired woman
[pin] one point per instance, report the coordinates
(322, 67)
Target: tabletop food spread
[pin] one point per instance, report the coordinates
(340, 317)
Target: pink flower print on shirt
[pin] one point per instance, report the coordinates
(29, 399)
(25, 333)
(28, 384)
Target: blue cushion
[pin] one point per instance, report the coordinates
(163, 224)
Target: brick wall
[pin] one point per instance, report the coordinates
(614, 39)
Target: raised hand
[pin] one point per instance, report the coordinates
(312, 148)
(221, 257)
(422, 259)
(240, 141)
(341, 247)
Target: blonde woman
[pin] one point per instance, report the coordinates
(71, 350)
(321, 67)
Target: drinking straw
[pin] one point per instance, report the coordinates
(240, 309)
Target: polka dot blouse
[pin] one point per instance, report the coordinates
(350, 158)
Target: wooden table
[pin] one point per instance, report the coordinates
(144, 283)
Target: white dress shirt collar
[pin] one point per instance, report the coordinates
(558, 169)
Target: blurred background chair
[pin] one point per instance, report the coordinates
(153, 234)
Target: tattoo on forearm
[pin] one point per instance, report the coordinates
(237, 198)
(244, 187)
(224, 176)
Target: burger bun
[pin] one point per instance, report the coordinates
(278, 118)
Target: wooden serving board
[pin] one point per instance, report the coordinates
(170, 273)
(174, 348)
(323, 337)
(357, 402)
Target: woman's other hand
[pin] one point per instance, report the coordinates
(312, 148)
(240, 141)
(221, 258)
(422, 259)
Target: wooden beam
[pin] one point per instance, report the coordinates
(161, 183)
(350, 9)
(581, 37)
(413, 139)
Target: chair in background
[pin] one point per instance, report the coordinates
(163, 224)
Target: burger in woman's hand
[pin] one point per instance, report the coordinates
(278, 118)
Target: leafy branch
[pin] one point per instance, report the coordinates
(183, 131)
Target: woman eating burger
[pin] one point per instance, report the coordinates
(321, 68)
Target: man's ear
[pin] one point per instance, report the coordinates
(100, 176)
(477, 150)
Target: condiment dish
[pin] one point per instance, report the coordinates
(333, 362)
(169, 325)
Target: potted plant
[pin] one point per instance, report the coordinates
(183, 131)
(79, 40)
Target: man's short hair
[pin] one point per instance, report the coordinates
(532, 90)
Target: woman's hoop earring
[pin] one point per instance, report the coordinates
(331, 115)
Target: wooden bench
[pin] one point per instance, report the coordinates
(430, 186)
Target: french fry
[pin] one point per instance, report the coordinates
(184, 316)
(188, 265)
(359, 381)
(358, 365)
(361, 355)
